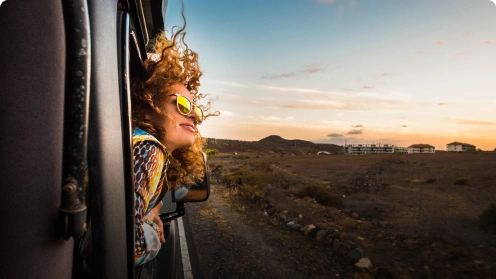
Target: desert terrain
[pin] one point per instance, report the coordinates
(280, 212)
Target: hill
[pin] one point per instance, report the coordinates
(272, 144)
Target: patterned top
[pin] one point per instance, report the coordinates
(150, 165)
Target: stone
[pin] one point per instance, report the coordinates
(307, 230)
(321, 235)
(355, 215)
(354, 255)
(294, 226)
(364, 263)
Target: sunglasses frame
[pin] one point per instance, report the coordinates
(200, 118)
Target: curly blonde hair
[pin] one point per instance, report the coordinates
(172, 63)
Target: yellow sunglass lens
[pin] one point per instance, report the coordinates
(199, 112)
(183, 105)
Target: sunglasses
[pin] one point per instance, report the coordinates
(184, 106)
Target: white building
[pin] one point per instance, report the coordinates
(460, 146)
(421, 148)
(373, 149)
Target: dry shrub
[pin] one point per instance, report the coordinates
(487, 219)
(261, 174)
(233, 179)
(253, 192)
(321, 194)
(416, 180)
(462, 181)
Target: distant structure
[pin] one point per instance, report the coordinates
(460, 147)
(362, 149)
(421, 148)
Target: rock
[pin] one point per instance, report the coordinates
(359, 238)
(354, 255)
(306, 230)
(310, 230)
(364, 263)
(283, 215)
(266, 214)
(321, 235)
(355, 215)
(294, 226)
(300, 216)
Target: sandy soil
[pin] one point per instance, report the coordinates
(406, 226)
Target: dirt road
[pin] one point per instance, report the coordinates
(234, 241)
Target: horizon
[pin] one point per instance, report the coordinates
(330, 71)
(444, 149)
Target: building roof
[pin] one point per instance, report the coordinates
(460, 143)
(421, 145)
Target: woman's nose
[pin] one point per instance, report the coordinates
(193, 114)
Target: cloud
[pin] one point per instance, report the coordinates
(403, 126)
(307, 70)
(367, 87)
(228, 83)
(463, 53)
(312, 69)
(385, 75)
(326, 1)
(439, 43)
(277, 97)
(335, 135)
(355, 132)
(357, 126)
(442, 104)
(474, 122)
(488, 42)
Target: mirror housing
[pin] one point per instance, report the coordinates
(198, 192)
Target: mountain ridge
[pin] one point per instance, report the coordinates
(272, 143)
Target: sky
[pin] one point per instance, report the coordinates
(397, 72)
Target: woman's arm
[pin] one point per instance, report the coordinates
(149, 162)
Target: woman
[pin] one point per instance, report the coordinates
(167, 144)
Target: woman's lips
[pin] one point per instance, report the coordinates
(189, 127)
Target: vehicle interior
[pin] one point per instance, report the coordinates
(65, 113)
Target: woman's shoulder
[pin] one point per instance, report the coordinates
(140, 135)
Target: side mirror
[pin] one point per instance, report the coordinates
(198, 192)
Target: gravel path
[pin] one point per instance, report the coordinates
(237, 241)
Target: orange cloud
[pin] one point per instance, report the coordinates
(474, 122)
(439, 43)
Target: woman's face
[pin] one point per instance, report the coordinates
(180, 129)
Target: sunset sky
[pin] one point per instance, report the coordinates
(362, 71)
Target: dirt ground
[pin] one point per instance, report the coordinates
(403, 212)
